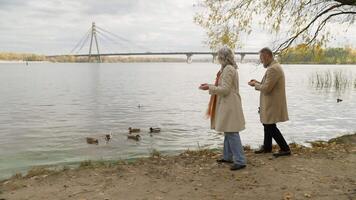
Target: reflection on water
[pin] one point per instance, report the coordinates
(48, 110)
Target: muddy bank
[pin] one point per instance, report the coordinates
(327, 170)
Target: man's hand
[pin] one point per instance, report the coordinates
(252, 83)
(204, 86)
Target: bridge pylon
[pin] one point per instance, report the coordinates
(93, 36)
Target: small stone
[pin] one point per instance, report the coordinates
(288, 196)
(307, 195)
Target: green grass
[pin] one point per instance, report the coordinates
(155, 153)
(98, 163)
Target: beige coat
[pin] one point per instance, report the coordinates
(228, 114)
(273, 101)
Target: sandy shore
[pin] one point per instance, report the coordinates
(325, 171)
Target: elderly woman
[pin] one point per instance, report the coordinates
(225, 109)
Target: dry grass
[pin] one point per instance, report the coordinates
(16, 176)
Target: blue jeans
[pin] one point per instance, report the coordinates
(233, 149)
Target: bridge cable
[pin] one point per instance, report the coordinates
(111, 40)
(84, 42)
(121, 38)
(103, 39)
(80, 41)
(115, 38)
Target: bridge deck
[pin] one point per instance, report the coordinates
(155, 53)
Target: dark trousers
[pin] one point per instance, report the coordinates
(271, 131)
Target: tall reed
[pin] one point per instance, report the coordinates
(337, 79)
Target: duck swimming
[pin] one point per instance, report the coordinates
(134, 130)
(108, 137)
(155, 130)
(134, 137)
(91, 140)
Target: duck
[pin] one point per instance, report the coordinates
(134, 130)
(108, 137)
(155, 130)
(338, 100)
(134, 137)
(91, 140)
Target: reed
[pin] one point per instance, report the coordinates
(338, 80)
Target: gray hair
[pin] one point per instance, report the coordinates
(267, 51)
(226, 57)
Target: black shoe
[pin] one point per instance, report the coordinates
(223, 161)
(262, 150)
(237, 167)
(282, 153)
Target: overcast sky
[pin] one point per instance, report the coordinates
(56, 26)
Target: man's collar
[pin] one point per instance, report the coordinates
(271, 63)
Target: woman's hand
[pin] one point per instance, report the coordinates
(204, 86)
(252, 82)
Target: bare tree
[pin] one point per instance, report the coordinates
(304, 20)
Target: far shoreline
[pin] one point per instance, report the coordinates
(155, 61)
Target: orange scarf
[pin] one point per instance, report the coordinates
(212, 103)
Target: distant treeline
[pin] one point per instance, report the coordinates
(21, 57)
(303, 54)
(34, 57)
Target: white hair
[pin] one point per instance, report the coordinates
(226, 57)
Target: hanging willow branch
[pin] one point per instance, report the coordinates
(304, 21)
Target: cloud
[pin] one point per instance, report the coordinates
(56, 26)
(7, 4)
(110, 7)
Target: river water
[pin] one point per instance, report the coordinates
(47, 110)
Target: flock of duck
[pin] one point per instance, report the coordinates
(133, 135)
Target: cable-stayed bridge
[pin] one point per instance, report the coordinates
(95, 33)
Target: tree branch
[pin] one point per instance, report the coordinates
(347, 2)
(290, 40)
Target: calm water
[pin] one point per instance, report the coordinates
(47, 110)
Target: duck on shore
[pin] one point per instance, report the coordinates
(134, 130)
(155, 130)
(91, 140)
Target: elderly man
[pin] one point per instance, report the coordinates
(273, 103)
